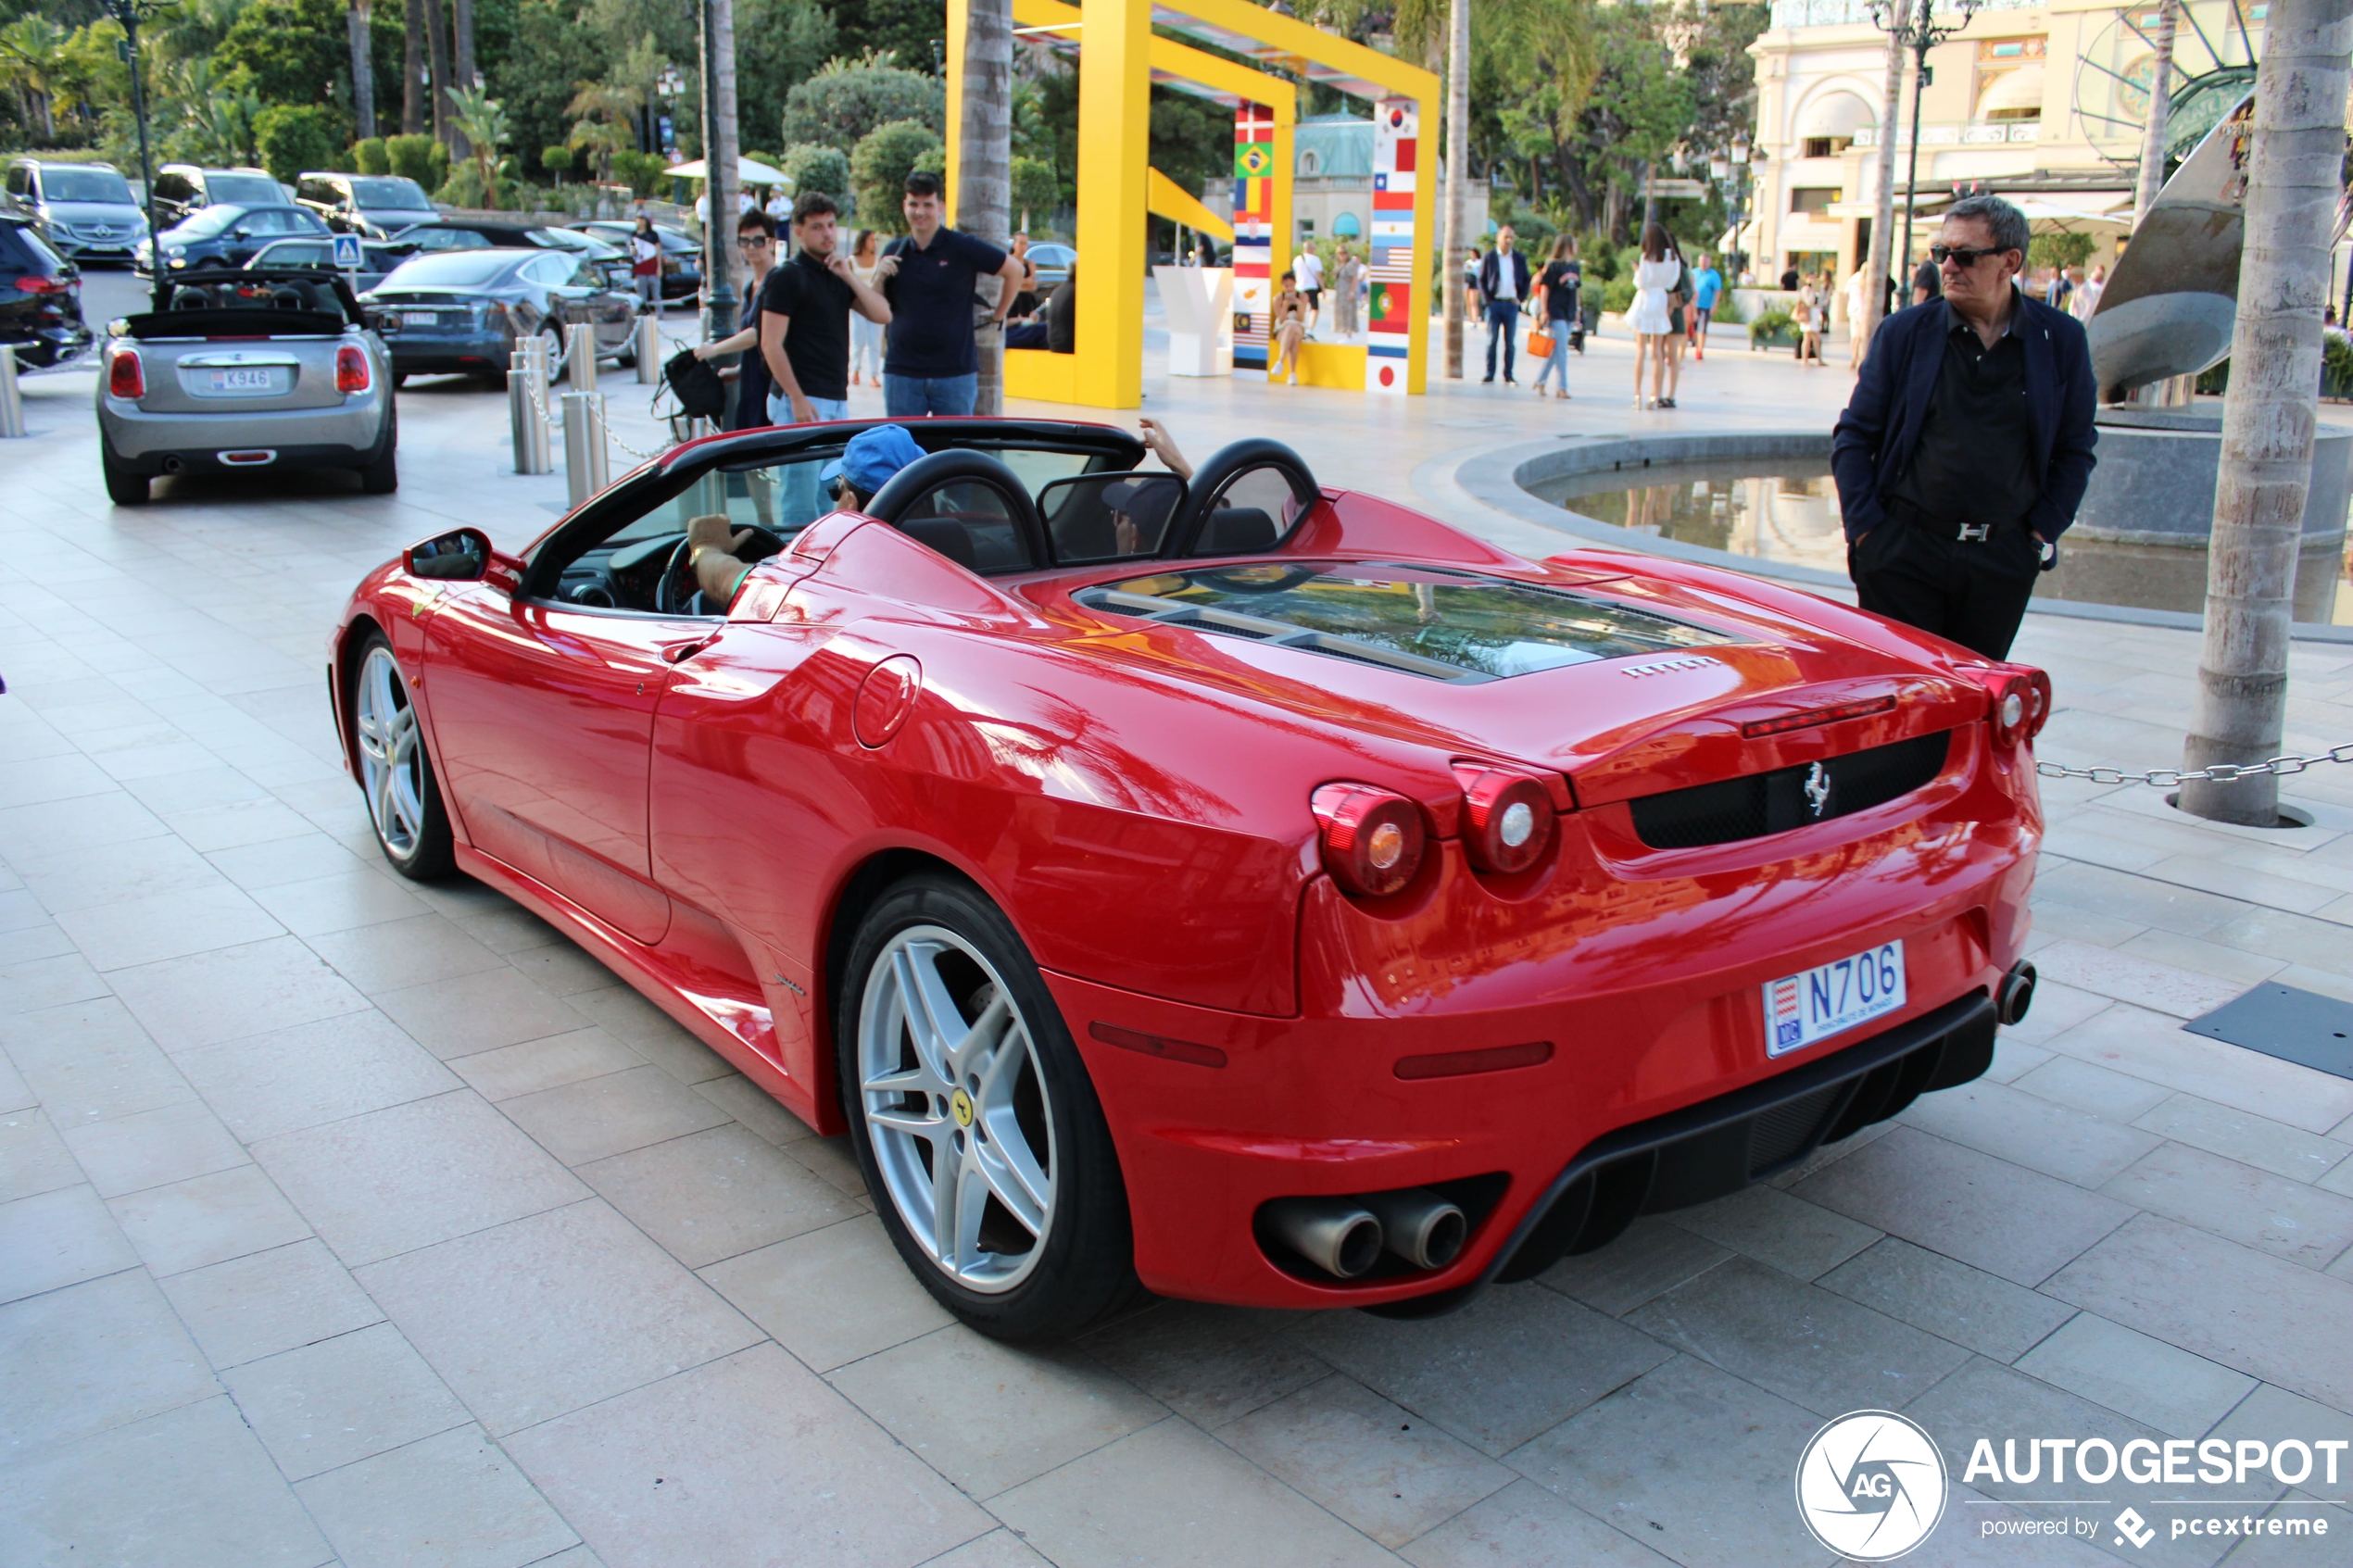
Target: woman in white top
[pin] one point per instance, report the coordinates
(865, 337)
(1653, 275)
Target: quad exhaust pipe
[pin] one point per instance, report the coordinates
(1345, 1237)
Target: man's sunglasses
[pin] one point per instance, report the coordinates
(1960, 256)
(746, 242)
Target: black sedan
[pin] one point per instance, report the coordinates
(464, 311)
(482, 234)
(40, 298)
(681, 258)
(226, 235)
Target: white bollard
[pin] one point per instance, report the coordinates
(11, 396)
(580, 356)
(649, 349)
(585, 462)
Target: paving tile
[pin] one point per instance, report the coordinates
(756, 1109)
(349, 900)
(470, 1013)
(1516, 1361)
(1525, 1527)
(169, 925)
(2153, 1046)
(2235, 965)
(1691, 1461)
(1651, 1258)
(989, 1416)
(2260, 1314)
(35, 984)
(2057, 1008)
(90, 1358)
(130, 1153)
(2289, 1218)
(600, 1117)
(403, 953)
(90, 1061)
(447, 1501)
(206, 1220)
(2142, 982)
(313, 1073)
(716, 1193)
(542, 1315)
(1965, 1205)
(1968, 1306)
(266, 1302)
(998, 1548)
(1789, 1233)
(283, 861)
(87, 822)
(1170, 1496)
(2134, 1375)
(2235, 880)
(2099, 1090)
(188, 1488)
(527, 1069)
(414, 1174)
(831, 1160)
(32, 1158)
(509, 930)
(830, 1297)
(1342, 1446)
(2262, 1550)
(2011, 1059)
(57, 1239)
(2028, 1130)
(233, 993)
(236, 824)
(2121, 895)
(630, 1017)
(1210, 1364)
(322, 1406)
(2245, 1138)
(562, 969)
(2271, 1413)
(1964, 1538)
(751, 1452)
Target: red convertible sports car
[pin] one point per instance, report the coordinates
(1236, 888)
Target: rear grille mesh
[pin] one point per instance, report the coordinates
(1777, 801)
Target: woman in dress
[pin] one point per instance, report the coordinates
(865, 337)
(1558, 283)
(1650, 319)
(1809, 321)
(1287, 318)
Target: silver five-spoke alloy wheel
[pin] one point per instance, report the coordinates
(956, 1107)
(392, 757)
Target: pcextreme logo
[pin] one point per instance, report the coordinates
(1871, 1485)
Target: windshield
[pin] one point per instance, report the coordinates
(390, 194)
(85, 185)
(208, 221)
(1439, 622)
(453, 269)
(253, 190)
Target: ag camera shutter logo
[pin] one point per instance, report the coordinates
(1871, 1485)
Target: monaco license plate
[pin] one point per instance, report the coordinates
(241, 381)
(421, 317)
(1817, 1003)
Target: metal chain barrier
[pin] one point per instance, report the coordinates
(2220, 772)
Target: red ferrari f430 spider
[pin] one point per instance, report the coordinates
(1233, 888)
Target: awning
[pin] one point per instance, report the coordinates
(748, 171)
(2012, 90)
(1835, 114)
(1346, 226)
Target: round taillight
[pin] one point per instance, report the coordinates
(2013, 699)
(1507, 818)
(125, 376)
(2038, 701)
(1372, 838)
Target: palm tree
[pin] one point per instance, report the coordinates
(985, 169)
(483, 123)
(363, 74)
(2294, 169)
(412, 72)
(607, 112)
(2152, 174)
(1883, 219)
(31, 52)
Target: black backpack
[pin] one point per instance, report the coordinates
(700, 393)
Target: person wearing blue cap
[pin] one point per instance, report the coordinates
(864, 466)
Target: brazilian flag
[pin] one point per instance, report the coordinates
(1253, 160)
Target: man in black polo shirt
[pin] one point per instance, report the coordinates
(1966, 446)
(931, 366)
(804, 320)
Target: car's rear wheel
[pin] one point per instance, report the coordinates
(974, 1121)
(380, 474)
(124, 488)
(395, 773)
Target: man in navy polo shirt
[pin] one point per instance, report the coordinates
(928, 277)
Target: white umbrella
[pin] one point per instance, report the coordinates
(748, 171)
(2040, 212)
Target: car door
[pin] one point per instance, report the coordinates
(615, 313)
(551, 275)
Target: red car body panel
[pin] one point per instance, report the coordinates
(692, 800)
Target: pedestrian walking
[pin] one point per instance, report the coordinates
(1809, 315)
(1707, 287)
(804, 318)
(1472, 306)
(931, 365)
(1559, 282)
(1966, 446)
(1927, 283)
(1856, 293)
(1308, 268)
(1653, 276)
(1678, 315)
(2087, 294)
(1502, 282)
(865, 335)
(756, 242)
(645, 262)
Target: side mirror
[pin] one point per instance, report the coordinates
(463, 556)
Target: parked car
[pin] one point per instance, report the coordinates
(40, 297)
(1052, 260)
(183, 188)
(376, 259)
(86, 210)
(245, 371)
(1240, 887)
(465, 310)
(479, 234)
(376, 204)
(226, 235)
(681, 257)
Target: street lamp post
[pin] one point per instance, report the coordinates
(130, 14)
(1919, 31)
(1731, 168)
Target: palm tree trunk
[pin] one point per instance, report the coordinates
(2267, 415)
(437, 42)
(720, 147)
(1457, 225)
(2152, 175)
(1883, 218)
(412, 72)
(984, 164)
(363, 70)
(461, 71)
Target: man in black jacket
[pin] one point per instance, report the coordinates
(1966, 446)
(1503, 283)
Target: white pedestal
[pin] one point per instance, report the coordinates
(1199, 302)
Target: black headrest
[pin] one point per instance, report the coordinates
(911, 486)
(944, 534)
(191, 299)
(1238, 531)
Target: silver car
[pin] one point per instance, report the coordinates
(246, 370)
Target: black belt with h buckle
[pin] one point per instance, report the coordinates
(1952, 528)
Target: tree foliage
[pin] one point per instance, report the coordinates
(294, 137)
(814, 168)
(848, 99)
(878, 169)
(289, 52)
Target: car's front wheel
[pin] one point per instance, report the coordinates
(395, 773)
(974, 1121)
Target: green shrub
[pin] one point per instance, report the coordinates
(2061, 249)
(879, 167)
(412, 158)
(640, 171)
(1617, 296)
(2337, 367)
(814, 167)
(559, 159)
(848, 100)
(1770, 323)
(369, 157)
(1034, 190)
(293, 137)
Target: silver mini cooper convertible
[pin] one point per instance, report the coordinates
(246, 370)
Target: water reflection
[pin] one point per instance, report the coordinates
(1789, 512)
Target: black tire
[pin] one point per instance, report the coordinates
(1083, 1267)
(380, 474)
(423, 852)
(124, 488)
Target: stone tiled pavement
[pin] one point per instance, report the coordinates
(345, 1219)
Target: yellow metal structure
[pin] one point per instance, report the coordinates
(1165, 198)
